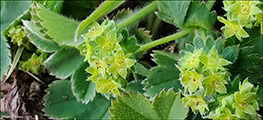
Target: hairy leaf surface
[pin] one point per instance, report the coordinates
(163, 76)
(64, 62)
(83, 90)
(38, 39)
(135, 106)
(173, 12)
(61, 103)
(59, 27)
(10, 10)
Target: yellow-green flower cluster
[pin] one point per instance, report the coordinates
(18, 36)
(202, 74)
(204, 77)
(240, 14)
(240, 105)
(34, 64)
(108, 62)
(200, 69)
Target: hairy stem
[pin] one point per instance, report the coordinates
(164, 40)
(139, 15)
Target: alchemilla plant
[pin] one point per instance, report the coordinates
(100, 67)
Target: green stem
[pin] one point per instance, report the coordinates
(156, 26)
(150, 21)
(15, 61)
(164, 40)
(210, 4)
(139, 15)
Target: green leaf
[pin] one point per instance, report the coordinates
(97, 109)
(249, 65)
(199, 15)
(37, 38)
(169, 106)
(163, 76)
(260, 94)
(165, 58)
(129, 45)
(59, 27)
(132, 106)
(10, 10)
(61, 103)
(140, 69)
(230, 53)
(105, 8)
(135, 106)
(83, 90)
(135, 86)
(64, 62)
(255, 39)
(173, 12)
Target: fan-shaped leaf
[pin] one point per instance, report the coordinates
(83, 90)
(64, 62)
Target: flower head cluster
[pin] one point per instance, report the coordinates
(240, 105)
(34, 64)
(18, 36)
(202, 74)
(199, 70)
(204, 77)
(108, 61)
(240, 14)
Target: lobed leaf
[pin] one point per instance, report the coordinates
(59, 27)
(64, 62)
(169, 106)
(10, 13)
(129, 45)
(38, 39)
(173, 12)
(249, 65)
(163, 76)
(61, 103)
(135, 106)
(132, 106)
(199, 16)
(83, 90)
(140, 69)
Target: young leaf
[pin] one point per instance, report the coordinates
(37, 38)
(10, 10)
(64, 62)
(199, 15)
(61, 103)
(169, 106)
(83, 90)
(132, 106)
(129, 45)
(173, 12)
(165, 75)
(59, 27)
